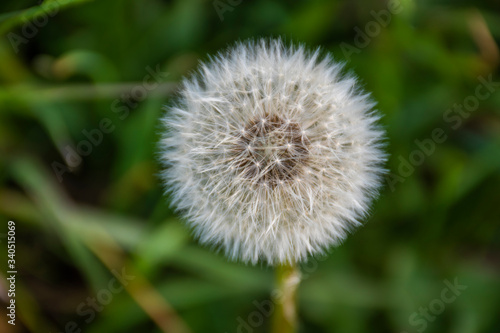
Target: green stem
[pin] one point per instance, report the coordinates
(285, 313)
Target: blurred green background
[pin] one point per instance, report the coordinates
(79, 113)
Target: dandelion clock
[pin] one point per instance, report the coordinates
(272, 154)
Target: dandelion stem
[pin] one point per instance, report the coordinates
(285, 314)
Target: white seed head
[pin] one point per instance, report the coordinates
(272, 153)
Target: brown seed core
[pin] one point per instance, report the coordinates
(271, 150)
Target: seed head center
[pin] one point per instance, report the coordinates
(271, 150)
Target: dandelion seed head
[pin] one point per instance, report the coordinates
(272, 153)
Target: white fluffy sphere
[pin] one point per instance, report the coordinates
(271, 153)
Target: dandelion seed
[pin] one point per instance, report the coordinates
(278, 192)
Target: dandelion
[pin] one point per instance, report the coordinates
(272, 153)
